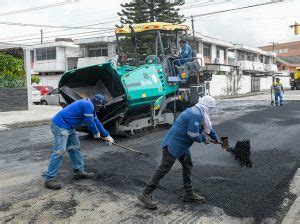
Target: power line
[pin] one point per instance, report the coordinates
(203, 5)
(59, 31)
(239, 8)
(81, 35)
(249, 18)
(48, 26)
(67, 2)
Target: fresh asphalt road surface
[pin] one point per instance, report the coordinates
(234, 194)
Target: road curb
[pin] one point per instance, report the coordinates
(240, 96)
(25, 124)
(293, 215)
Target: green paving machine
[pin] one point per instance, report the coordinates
(146, 86)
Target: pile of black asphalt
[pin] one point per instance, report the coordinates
(258, 192)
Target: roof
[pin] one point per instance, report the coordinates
(254, 50)
(102, 39)
(53, 44)
(216, 41)
(280, 45)
(143, 27)
(290, 60)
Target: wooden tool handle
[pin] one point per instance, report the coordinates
(128, 149)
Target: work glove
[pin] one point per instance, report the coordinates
(206, 140)
(109, 140)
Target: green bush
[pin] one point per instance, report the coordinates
(9, 82)
(12, 74)
(35, 79)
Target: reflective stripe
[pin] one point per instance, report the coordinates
(60, 152)
(192, 134)
(88, 115)
(73, 147)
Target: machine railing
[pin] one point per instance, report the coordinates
(183, 68)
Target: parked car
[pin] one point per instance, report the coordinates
(44, 89)
(52, 98)
(36, 96)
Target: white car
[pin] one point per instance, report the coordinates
(52, 98)
(36, 96)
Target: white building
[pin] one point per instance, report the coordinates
(96, 50)
(252, 60)
(50, 60)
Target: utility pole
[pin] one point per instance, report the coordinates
(193, 28)
(273, 46)
(41, 36)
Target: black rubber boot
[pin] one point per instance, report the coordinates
(147, 201)
(191, 196)
(82, 175)
(52, 184)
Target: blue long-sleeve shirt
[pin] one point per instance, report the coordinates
(185, 131)
(186, 53)
(81, 111)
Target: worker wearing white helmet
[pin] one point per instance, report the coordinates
(192, 125)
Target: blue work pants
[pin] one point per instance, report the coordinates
(278, 96)
(64, 140)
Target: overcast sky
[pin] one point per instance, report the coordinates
(255, 27)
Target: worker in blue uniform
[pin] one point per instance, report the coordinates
(186, 52)
(65, 137)
(192, 125)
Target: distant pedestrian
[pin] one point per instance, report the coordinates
(278, 92)
(192, 125)
(65, 137)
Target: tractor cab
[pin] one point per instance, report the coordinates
(157, 43)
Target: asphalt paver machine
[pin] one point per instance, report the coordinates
(146, 86)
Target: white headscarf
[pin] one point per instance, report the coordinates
(206, 105)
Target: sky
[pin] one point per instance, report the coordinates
(255, 27)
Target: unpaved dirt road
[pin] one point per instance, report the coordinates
(234, 194)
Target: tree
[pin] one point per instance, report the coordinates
(142, 11)
(169, 12)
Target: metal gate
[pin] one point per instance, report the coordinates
(255, 84)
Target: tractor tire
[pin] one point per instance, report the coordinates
(44, 102)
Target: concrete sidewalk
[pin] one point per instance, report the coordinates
(38, 115)
(293, 216)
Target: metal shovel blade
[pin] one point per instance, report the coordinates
(225, 142)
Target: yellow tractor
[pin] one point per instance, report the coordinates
(295, 79)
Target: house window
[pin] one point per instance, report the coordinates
(249, 57)
(221, 49)
(241, 55)
(48, 53)
(283, 67)
(206, 50)
(261, 58)
(97, 50)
